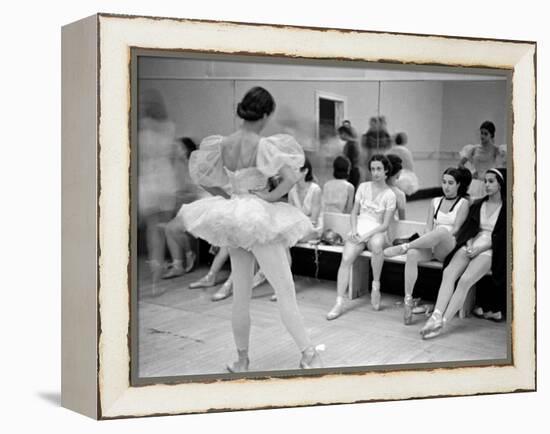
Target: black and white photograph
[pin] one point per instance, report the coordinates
(275, 217)
(294, 217)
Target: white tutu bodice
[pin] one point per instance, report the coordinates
(244, 220)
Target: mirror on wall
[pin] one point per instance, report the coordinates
(437, 111)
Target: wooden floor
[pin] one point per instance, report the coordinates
(182, 332)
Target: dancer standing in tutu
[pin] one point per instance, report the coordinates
(157, 176)
(407, 181)
(251, 223)
(482, 157)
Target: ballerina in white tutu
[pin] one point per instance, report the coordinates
(251, 223)
(407, 181)
(482, 157)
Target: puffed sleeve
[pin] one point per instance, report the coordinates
(502, 154)
(277, 151)
(390, 201)
(206, 165)
(468, 152)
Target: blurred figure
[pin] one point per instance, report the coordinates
(407, 181)
(178, 239)
(375, 141)
(338, 192)
(347, 124)
(351, 151)
(156, 175)
(393, 178)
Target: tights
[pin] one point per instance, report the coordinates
(468, 272)
(274, 263)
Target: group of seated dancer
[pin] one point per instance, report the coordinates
(469, 237)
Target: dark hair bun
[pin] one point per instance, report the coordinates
(396, 164)
(462, 176)
(257, 103)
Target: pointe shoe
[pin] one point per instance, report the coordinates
(478, 311)
(174, 271)
(225, 291)
(311, 358)
(375, 296)
(157, 270)
(273, 297)
(336, 311)
(190, 259)
(400, 249)
(433, 327)
(241, 365)
(494, 316)
(205, 282)
(408, 310)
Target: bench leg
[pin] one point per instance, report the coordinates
(469, 303)
(359, 278)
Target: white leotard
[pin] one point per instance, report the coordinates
(445, 219)
(486, 225)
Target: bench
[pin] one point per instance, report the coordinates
(360, 272)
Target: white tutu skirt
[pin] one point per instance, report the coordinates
(407, 182)
(244, 221)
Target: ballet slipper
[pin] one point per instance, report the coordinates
(336, 311)
(478, 311)
(205, 282)
(242, 363)
(273, 297)
(433, 327)
(375, 296)
(408, 310)
(493, 316)
(190, 259)
(311, 358)
(157, 270)
(176, 270)
(400, 249)
(225, 291)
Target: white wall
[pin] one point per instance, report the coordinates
(198, 107)
(466, 106)
(415, 108)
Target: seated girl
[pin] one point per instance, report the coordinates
(393, 182)
(338, 192)
(370, 217)
(306, 196)
(445, 216)
(480, 247)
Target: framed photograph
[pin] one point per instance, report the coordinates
(259, 216)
